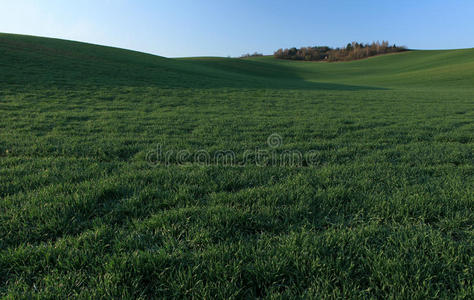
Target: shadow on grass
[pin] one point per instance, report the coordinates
(240, 73)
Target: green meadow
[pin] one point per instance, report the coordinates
(89, 207)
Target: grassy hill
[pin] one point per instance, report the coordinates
(418, 69)
(111, 183)
(41, 61)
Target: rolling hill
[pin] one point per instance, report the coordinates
(346, 180)
(62, 62)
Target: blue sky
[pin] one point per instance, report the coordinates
(176, 28)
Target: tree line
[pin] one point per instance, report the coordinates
(255, 54)
(352, 51)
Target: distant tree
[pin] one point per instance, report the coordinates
(279, 53)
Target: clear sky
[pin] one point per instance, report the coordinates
(176, 28)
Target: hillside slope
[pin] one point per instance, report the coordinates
(33, 60)
(36, 61)
(421, 68)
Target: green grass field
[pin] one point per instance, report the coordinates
(384, 210)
